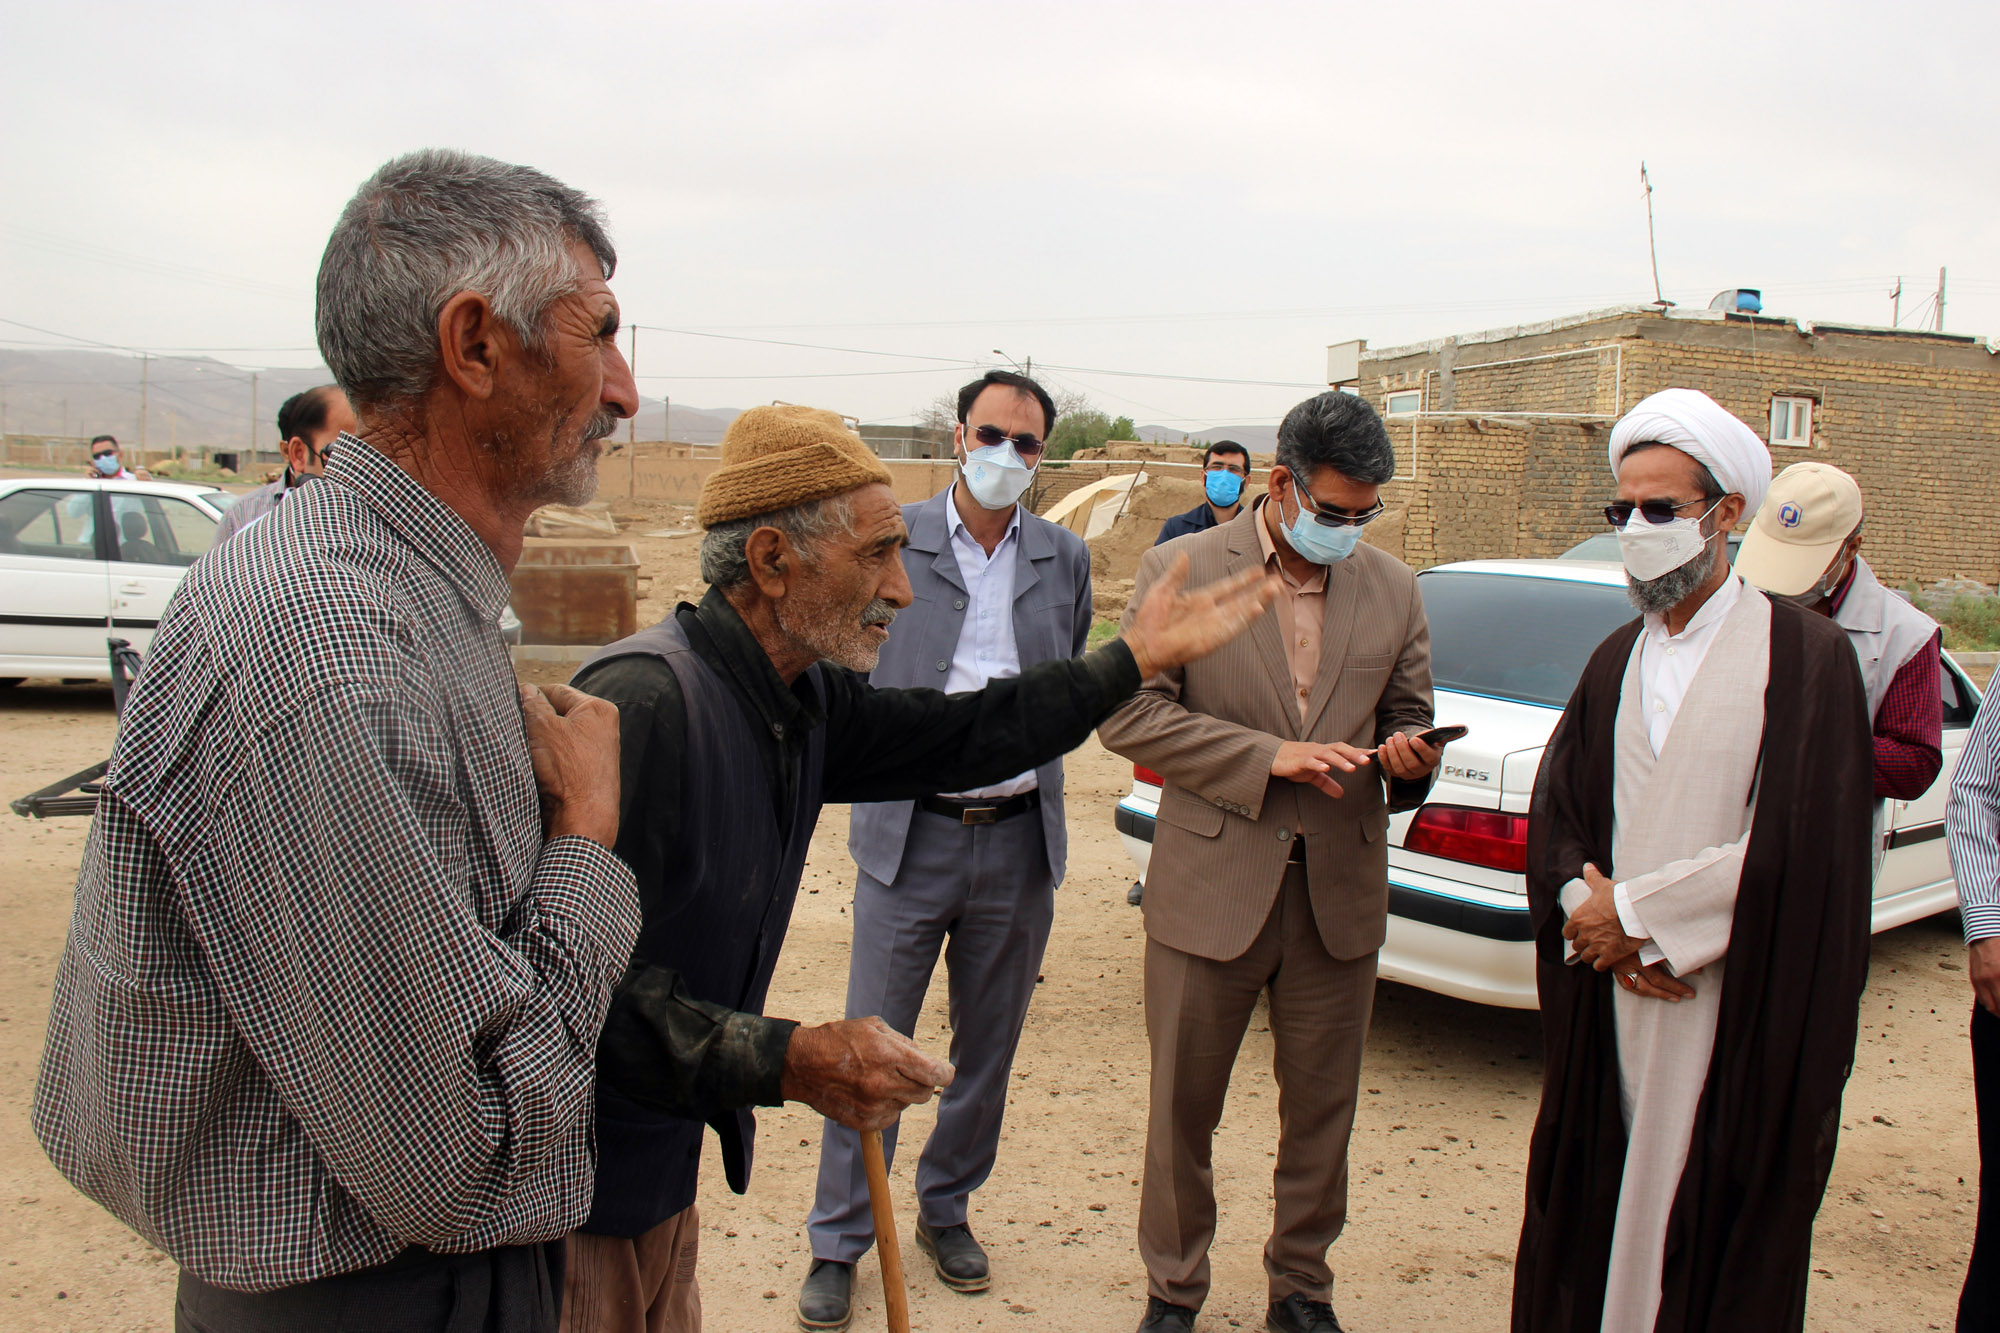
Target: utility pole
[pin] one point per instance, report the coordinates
(1896, 303)
(65, 433)
(251, 461)
(143, 361)
(1652, 246)
(1939, 322)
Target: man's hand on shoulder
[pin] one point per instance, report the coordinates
(860, 1072)
(573, 742)
(1173, 626)
(1982, 961)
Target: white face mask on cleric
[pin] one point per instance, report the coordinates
(1653, 550)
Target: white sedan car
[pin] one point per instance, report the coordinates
(83, 560)
(1508, 642)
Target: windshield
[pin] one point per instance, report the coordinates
(220, 501)
(1509, 636)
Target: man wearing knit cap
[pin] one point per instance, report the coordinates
(1805, 547)
(1698, 878)
(739, 718)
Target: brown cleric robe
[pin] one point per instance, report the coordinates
(1739, 1236)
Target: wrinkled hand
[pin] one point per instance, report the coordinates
(1408, 758)
(573, 742)
(859, 1072)
(1651, 980)
(1594, 927)
(1982, 960)
(1309, 763)
(1172, 626)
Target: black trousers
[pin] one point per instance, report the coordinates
(1979, 1303)
(515, 1289)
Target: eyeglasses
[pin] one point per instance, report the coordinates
(1619, 512)
(1027, 446)
(1333, 518)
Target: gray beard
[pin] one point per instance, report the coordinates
(1656, 597)
(819, 630)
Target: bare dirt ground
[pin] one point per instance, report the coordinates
(1449, 1091)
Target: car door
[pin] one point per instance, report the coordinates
(1917, 856)
(157, 538)
(54, 582)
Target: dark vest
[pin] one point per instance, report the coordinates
(718, 918)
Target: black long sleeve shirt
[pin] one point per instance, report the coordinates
(687, 1055)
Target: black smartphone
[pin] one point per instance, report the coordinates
(1438, 737)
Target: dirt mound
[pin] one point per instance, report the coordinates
(1114, 556)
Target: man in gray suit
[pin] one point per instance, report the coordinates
(996, 589)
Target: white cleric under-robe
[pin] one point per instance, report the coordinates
(1681, 823)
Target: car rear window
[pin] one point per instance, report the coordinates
(1509, 636)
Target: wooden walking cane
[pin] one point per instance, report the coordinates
(895, 1294)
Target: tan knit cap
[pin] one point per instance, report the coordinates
(780, 456)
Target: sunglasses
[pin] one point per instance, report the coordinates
(108, 453)
(1332, 518)
(1619, 512)
(1027, 446)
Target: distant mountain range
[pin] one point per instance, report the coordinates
(198, 402)
(1257, 439)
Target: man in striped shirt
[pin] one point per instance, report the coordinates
(349, 921)
(1972, 823)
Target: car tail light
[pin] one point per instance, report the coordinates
(1140, 773)
(1490, 838)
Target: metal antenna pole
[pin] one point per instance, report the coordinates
(1896, 303)
(1939, 323)
(1652, 246)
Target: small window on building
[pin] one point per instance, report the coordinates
(1406, 404)
(1791, 421)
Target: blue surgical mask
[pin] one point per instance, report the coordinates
(106, 463)
(1319, 543)
(1224, 488)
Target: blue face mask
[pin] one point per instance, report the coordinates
(106, 463)
(1319, 543)
(1224, 488)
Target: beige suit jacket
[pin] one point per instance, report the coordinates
(1213, 728)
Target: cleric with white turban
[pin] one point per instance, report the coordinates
(1706, 431)
(1689, 1105)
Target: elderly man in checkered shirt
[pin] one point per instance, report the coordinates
(348, 922)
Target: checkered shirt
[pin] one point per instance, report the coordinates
(327, 991)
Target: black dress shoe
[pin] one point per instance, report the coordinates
(958, 1258)
(827, 1299)
(1296, 1314)
(1163, 1317)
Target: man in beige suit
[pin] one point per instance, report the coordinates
(1283, 754)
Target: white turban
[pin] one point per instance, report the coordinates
(1703, 429)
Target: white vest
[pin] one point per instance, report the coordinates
(1886, 631)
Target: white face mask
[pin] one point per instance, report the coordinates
(1653, 550)
(995, 475)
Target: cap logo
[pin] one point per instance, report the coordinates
(1789, 515)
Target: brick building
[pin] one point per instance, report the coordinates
(1501, 436)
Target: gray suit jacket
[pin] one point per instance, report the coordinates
(1051, 620)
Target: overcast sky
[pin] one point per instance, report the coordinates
(1209, 190)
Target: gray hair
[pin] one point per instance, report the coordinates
(1340, 431)
(427, 226)
(723, 561)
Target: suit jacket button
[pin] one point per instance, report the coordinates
(1284, 835)
(944, 666)
(958, 605)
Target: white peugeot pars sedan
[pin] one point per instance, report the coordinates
(1508, 641)
(82, 560)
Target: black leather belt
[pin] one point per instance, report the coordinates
(982, 812)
